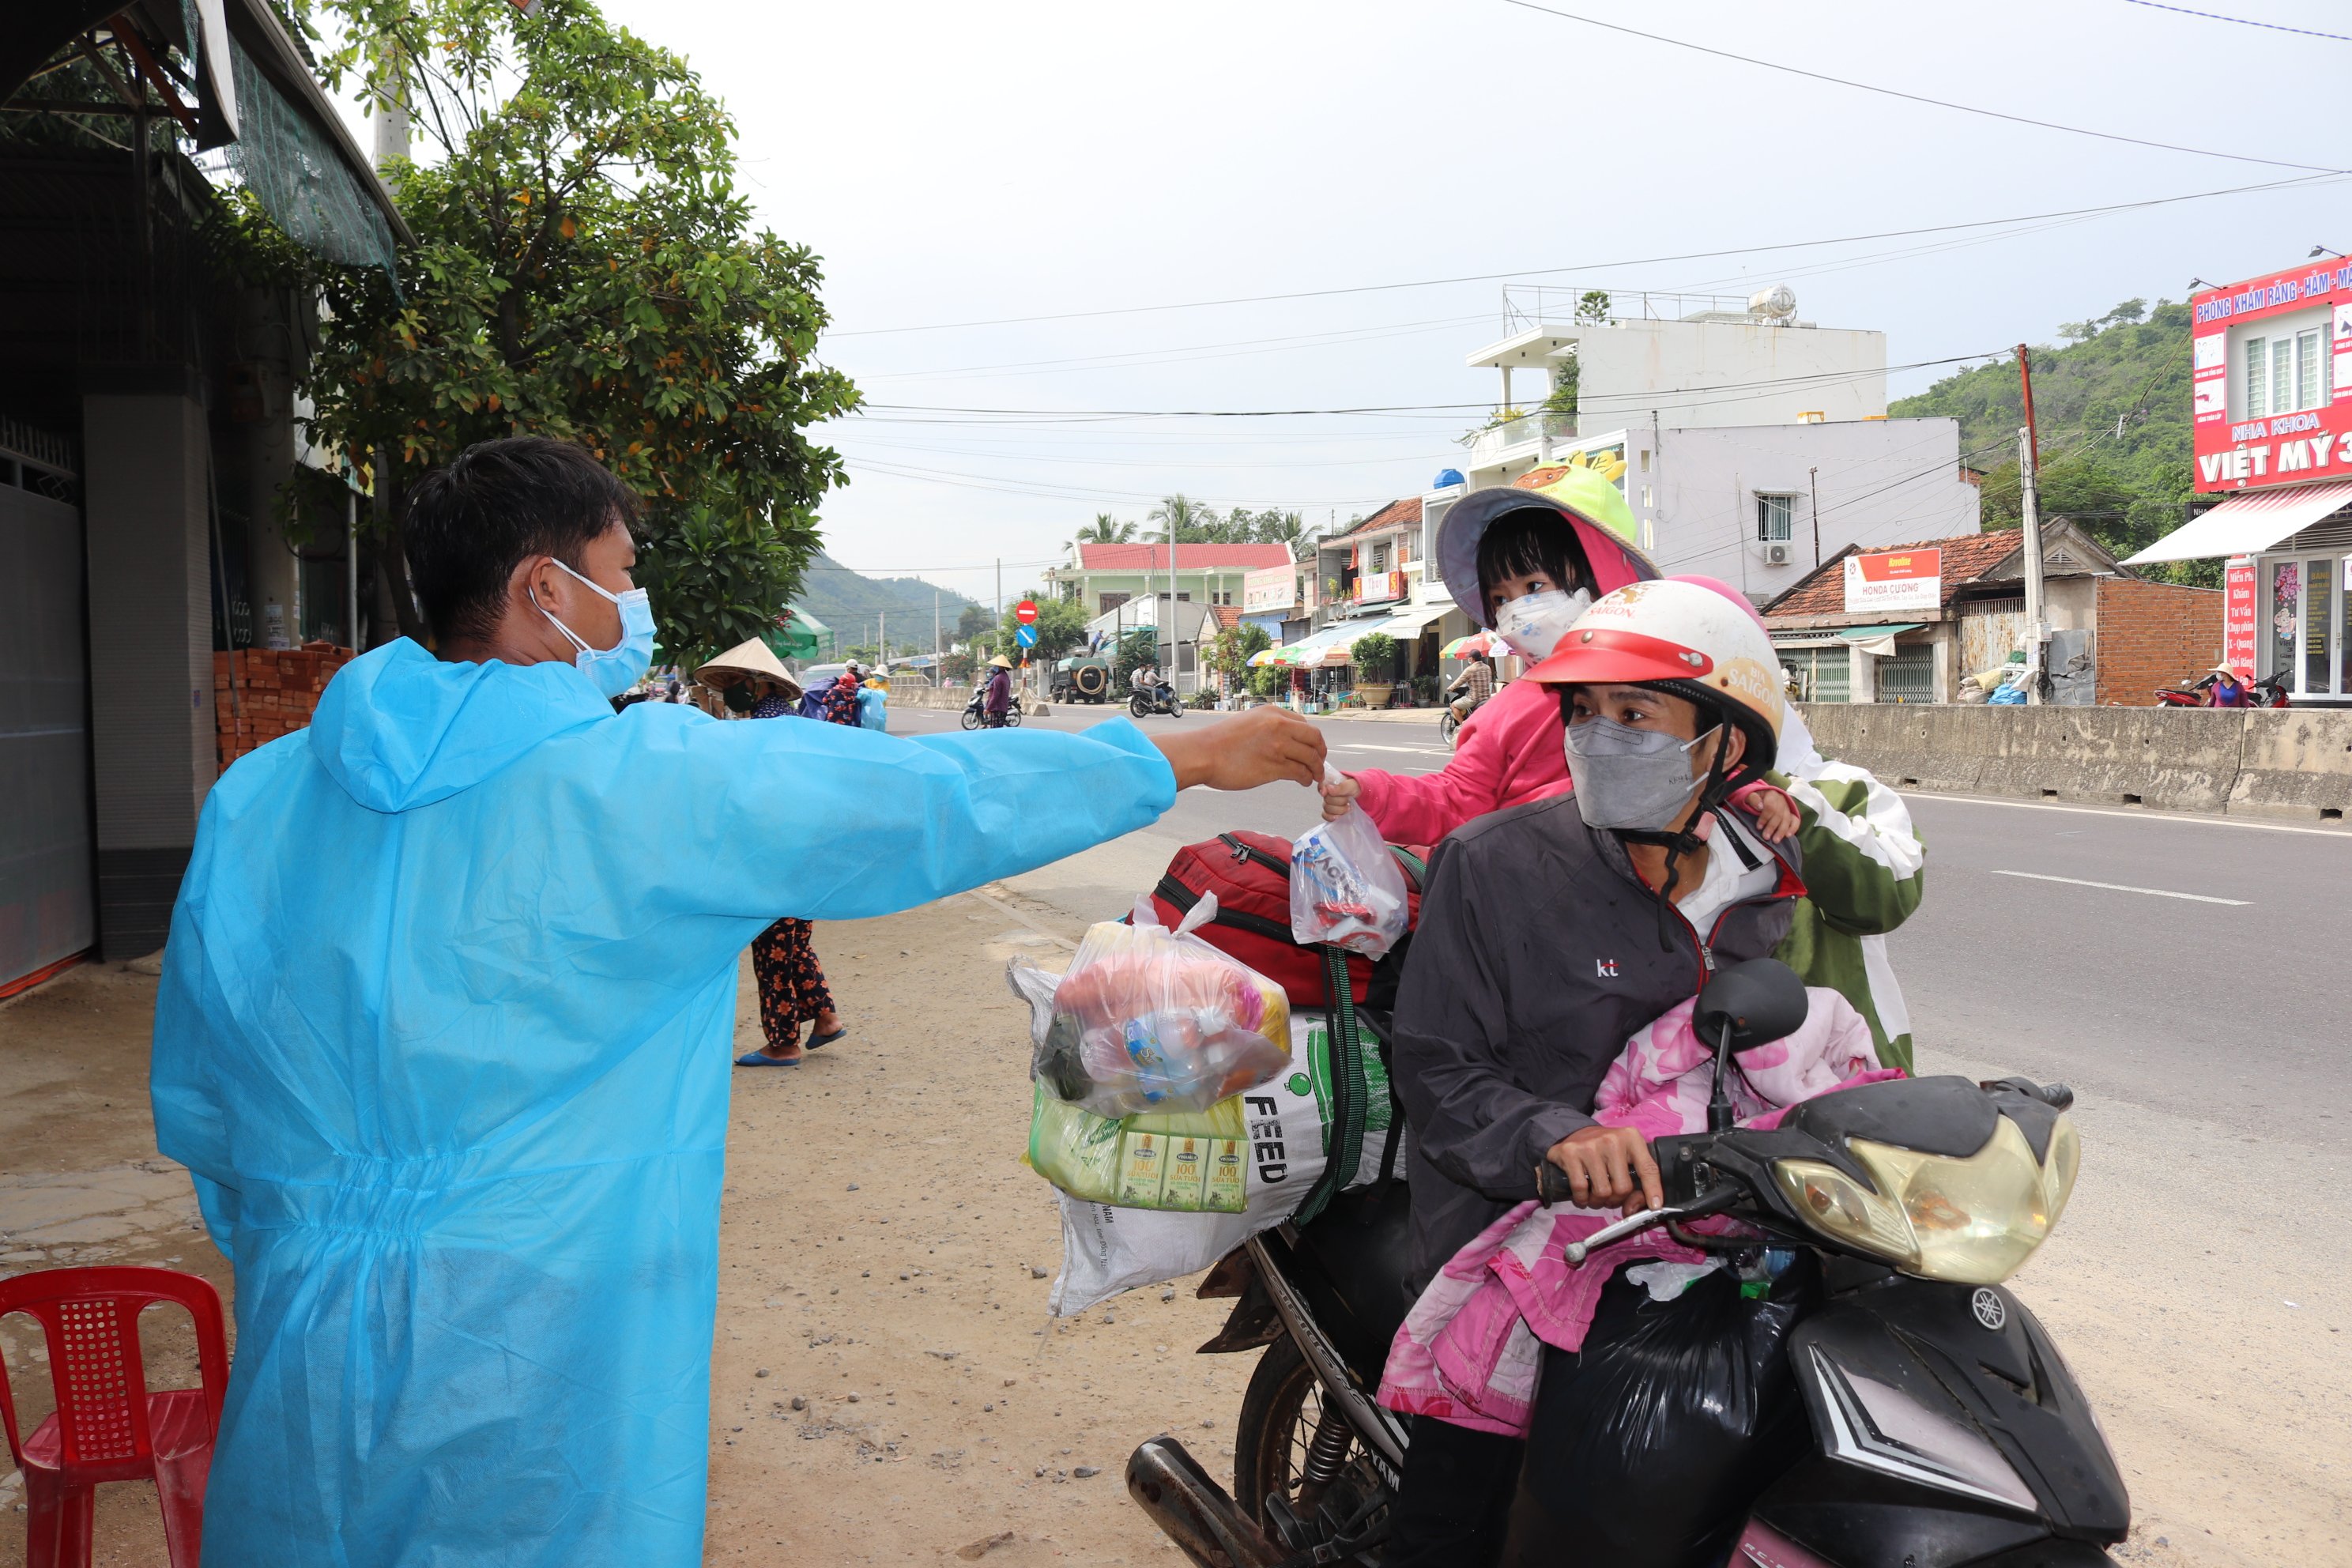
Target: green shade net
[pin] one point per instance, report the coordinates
(297, 174)
(799, 635)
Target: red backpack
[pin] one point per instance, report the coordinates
(1250, 874)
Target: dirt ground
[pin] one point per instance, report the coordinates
(886, 1260)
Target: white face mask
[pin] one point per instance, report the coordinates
(1534, 623)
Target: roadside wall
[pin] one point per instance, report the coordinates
(2152, 635)
(2286, 763)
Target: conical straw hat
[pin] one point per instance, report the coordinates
(753, 657)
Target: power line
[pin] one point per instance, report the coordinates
(1815, 378)
(1910, 97)
(2240, 21)
(2319, 175)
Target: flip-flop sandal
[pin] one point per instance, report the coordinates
(817, 1040)
(762, 1060)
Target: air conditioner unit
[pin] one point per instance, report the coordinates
(1776, 555)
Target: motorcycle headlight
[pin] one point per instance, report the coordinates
(1974, 1221)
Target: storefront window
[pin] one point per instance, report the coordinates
(2317, 575)
(2286, 591)
(2344, 641)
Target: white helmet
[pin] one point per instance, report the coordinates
(1685, 639)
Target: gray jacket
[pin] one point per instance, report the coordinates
(1539, 954)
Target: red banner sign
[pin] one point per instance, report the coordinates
(1893, 580)
(2271, 379)
(2238, 617)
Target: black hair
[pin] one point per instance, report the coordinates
(468, 525)
(1528, 540)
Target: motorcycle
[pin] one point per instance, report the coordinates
(1144, 704)
(1457, 713)
(975, 713)
(1936, 1423)
(2270, 691)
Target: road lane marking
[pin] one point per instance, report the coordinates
(1416, 751)
(2120, 888)
(2192, 818)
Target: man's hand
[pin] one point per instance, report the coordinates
(1609, 1165)
(1261, 746)
(1340, 792)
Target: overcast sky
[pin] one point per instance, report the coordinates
(957, 163)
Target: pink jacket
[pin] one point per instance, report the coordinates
(1470, 1349)
(1510, 750)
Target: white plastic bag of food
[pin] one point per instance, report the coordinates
(1346, 888)
(1107, 1249)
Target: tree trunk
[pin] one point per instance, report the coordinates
(391, 553)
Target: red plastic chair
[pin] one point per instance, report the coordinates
(107, 1427)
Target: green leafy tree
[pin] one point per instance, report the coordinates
(584, 268)
(1182, 520)
(1374, 657)
(974, 622)
(1136, 650)
(2113, 408)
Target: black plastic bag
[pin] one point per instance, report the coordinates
(1648, 1445)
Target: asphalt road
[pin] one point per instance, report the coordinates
(2204, 978)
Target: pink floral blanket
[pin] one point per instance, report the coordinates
(1471, 1347)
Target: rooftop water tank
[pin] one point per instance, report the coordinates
(1777, 303)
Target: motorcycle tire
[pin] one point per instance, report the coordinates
(971, 720)
(1139, 707)
(1282, 1410)
(1013, 717)
(1447, 725)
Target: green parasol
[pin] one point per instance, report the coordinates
(798, 635)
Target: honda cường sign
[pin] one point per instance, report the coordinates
(1893, 580)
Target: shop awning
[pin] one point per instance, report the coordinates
(2248, 523)
(1877, 641)
(1408, 623)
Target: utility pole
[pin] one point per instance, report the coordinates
(882, 639)
(2029, 473)
(935, 636)
(1815, 476)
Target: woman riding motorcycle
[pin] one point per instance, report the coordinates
(1549, 934)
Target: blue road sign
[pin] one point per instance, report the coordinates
(1025, 636)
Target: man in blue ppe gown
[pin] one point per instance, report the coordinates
(446, 1023)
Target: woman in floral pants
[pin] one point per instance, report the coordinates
(783, 958)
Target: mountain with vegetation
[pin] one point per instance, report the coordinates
(851, 603)
(2112, 405)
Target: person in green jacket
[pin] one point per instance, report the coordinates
(1864, 860)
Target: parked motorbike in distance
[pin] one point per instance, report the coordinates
(1943, 1427)
(2270, 691)
(975, 714)
(1144, 704)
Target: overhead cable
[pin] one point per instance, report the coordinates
(1912, 97)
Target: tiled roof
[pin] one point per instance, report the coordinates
(1188, 557)
(1228, 615)
(1967, 557)
(1396, 514)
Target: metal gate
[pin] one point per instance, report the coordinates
(47, 875)
(1909, 676)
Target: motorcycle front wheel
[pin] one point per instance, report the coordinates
(1446, 724)
(971, 720)
(1293, 1445)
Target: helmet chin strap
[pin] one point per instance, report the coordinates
(1683, 840)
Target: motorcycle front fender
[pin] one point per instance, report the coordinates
(1885, 1369)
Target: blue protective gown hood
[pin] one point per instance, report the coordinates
(445, 1037)
(404, 728)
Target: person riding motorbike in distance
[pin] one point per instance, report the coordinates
(1549, 933)
(1472, 687)
(998, 702)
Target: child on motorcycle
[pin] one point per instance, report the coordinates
(1525, 566)
(1549, 934)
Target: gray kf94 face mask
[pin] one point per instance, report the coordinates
(1630, 778)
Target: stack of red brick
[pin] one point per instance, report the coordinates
(278, 690)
